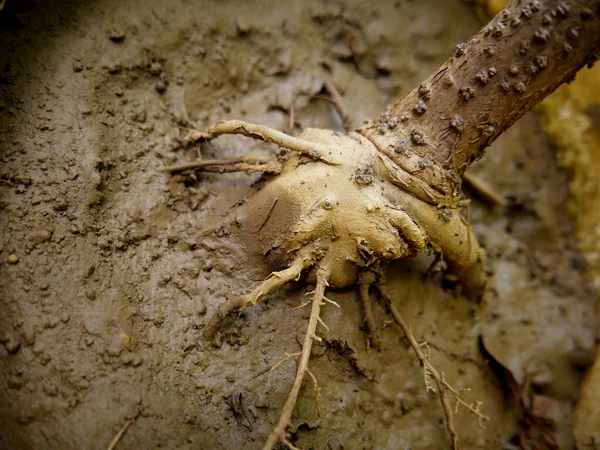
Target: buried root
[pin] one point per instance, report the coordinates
(336, 211)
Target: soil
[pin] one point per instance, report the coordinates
(110, 268)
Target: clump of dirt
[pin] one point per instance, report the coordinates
(109, 266)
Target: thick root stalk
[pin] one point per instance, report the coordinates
(529, 49)
(278, 433)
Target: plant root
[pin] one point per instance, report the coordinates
(243, 164)
(336, 99)
(365, 280)
(121, 432)
(311, 149)
(317, 390)
(484, 190)
(430, 372)
(271, 284)
(288, 356)
(278, 433)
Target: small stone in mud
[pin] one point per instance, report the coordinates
(113, 68)
(38, 348)
(90, 294)
(160, 87)
(155, 68)
(12, 259)
(126, 339)
(127, 358)
(242, 27)
(12, 345)
(217, 341)
(60, 205)
(51, 321)
(50, 389)
(261, 401)
(116, 35)
(40, 236)
(29, 337)
(15, 382)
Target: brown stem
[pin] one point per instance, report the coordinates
(524, 54)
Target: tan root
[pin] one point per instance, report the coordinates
(263, 133)
(243, 164)
(430, 372)
(271, 284)
(365, 280)
(338, 103)
(278, 434)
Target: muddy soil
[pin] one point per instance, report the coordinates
(109, 268)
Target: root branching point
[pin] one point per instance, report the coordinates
(275, 281)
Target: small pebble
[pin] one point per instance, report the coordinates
(12, 259)
(60, 205)
(160, 87)
(116, 35)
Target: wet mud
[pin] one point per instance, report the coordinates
(109, 268)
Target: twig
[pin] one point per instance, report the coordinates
(157, 17)
(119, 435)
(288, 444)
(338, 102)
(484, 190)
